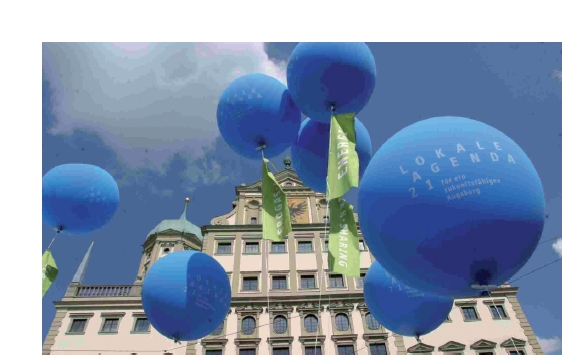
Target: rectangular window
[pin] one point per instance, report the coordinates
(513, 352)
(110, 325)
(360, 280)
(252, 248)
(326, 244)
(308, 281)
(336, 281)
(213, 352)
(250, 283)
(346, 350)
(378, 349)
(78, 326)
(498, 312)
(142, 325)
(247, 351)
(312, 350)
(224, 248)
(280, 351)
(487, 353)
(469, 313)
(279, 282)
(278, 247)
(305, 247)
(362, 245)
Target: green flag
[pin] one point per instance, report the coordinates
(343, 247)
(50, 271)
(276, 221)
(343, 162)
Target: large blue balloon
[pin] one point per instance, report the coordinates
(186, 295)
(309, 152)
(322, 75)
(78, 198)
(256, 110)
(400, 308)
(450, 202)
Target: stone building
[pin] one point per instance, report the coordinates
(284, 299)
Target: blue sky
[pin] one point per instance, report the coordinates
(146, 114)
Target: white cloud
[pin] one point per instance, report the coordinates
(551, 345)
(148, 101)
(557, 74)
(557, 246)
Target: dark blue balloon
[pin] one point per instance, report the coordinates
(186, 295)
(400, 308)
(309, 152)
(322, 75)
(78, 198)
(256, 110)
(450, 202)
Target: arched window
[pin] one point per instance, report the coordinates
(219, 329)
(342, 322)
(253, 220)
(279, 324)
(311, 323)
(372, 323)
(248, 325)
(326, 219)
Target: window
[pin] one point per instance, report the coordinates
(252, 248)
(142, 325)
(498, 312)
(110, 325)
(362, 245)
(342, 322)
(248, 325)
(279, 324)
(377, 349)
(326, 219)
(312, 350)
(253, 220)
(250, 283)
(279, 282)
(372, 323)
(278, 247)
(218, 330)
(487, 353)
(326, 244)
(78, 326)
(360, 281)
(224, 248)
(311, 323)
(213, 352)
(247, 351)
(305, 246)
(346, 350)
(469, 313)
(336, 281)
(308, 281)
(281, 351)
(513, 352)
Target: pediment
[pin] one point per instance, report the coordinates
(279, 307)
(362, 306)
(421, 348)
(513, 343)
(250, 308)
(309, 307)
(340, 305)
(483, 344)
(452, 346)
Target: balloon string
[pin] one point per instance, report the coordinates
(55, 237)
(501, 319)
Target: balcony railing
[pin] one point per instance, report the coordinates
(106, 291)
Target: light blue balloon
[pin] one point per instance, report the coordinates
(186, 295)
(309, 152)
(400, 308)
(78, 198)
(450, 202)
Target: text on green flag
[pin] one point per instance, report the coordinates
(343, 247)
(343, 161)
(50, 271)
(276, 221)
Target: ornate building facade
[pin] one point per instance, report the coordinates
(285, 301)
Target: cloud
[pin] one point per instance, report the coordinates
(149, 101)
(557, 74)
(557, 246)
(551, 345)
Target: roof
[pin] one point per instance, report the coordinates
(181, 225)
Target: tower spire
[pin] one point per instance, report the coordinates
(184, 214)
(79, 276)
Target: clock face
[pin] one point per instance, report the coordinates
(298, 208)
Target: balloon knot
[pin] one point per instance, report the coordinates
(418, 339)
(58, 229)
(261, 147)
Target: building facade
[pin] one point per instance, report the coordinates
(285, 301)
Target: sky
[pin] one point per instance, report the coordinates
(146, 113)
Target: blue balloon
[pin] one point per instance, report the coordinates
(256, 110)
(309, 152)
(78, 198)
(450, 202)
(400, 308)
(322, 75)
(186, 295)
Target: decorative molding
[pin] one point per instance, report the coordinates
(452, 346)
(112, 314)
(280, 308)
(80, 315)
(251, 308)
(497, 302)
(466, 303)
(340, 306)
(362, 306)
(483, 344)
(344, 338)
(513, 343)
(309, 307)
(247, 342)
(312, 340)
(421, 348)
(280, 340)
(214, 342)
(375, 337)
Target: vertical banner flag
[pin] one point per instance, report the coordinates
(343, 162)
(276, 221)
(50, 271)
(343, 246)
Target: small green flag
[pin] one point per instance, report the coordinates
(343, 247)
(343, 162)
(50, 271)
(276, 220)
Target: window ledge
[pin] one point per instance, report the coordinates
(277, 252)
(279, 290)
(309, 289)
(107, 333)
(502, 318)
(305, 252)
(143, 332)
(250, 291)
(472, 320)
(74, 333)
(251, 253)
(224, 253)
